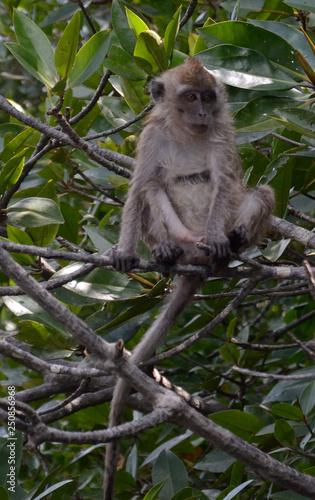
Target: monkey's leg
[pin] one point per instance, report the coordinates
(179, 299)
(252, 218)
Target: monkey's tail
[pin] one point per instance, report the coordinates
(179, 299)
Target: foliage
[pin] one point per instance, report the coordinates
(94, 68)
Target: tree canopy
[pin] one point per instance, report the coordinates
(228, 411)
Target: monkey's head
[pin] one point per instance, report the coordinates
(190, 96)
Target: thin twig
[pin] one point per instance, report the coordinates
(121, 127)
(87, 16)
(254, 373)
(93, 100)
(189, 13)
(289, 141)
(103, 156)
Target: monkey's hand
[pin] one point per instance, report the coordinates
(239, 238)
(167, 252)
(122, 261)
(218, 249)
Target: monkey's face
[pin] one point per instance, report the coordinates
(195, 110)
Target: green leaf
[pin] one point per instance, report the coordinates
(171, 33)
(134, 95)
(232, 494)
(245, 6)
(31, 64)
(297, 39)
(89, 58)
(275, 249)
(17, 235)
(99, 242)
(297, 119)
(189, 493)
(255, 115)
(123, 64)
(149, 52)
(240, 423)
(153, 493)
(35, 42)
(116, 111)
(215, 462)
(287, 411)
(307, 5)
(231, 328)
(4, 493)
(250, 36)
(67, 46)
(101, 285)
(34, 212)
(135, 23)
(167, 445)
(307, 400)
(284, 433)
(281, 182)
(288, 390)
(11, 171)
(124, 35)
(168, 466)
(58, 15)
(52, 488)
(43, 336)
(282, 162)
(244, 68)
(12, 148)
(230, 353)
(40, 487)
(44, 235)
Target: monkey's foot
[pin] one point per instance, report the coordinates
(238, 238)
(167, 252)
(122, 261)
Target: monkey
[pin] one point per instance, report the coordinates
(187, 187)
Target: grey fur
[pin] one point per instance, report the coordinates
(187, 187)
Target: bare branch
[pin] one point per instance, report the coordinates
(310, 278)
(93, 100)
(86, 15)
(274, 376)
(300, 215)
(290, 141)
(102, 155)
(189, 13)
(122, 127)
(289, 230)
(105, 260)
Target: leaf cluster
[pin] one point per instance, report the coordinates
(74, 84)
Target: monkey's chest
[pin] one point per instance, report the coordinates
(191, 199)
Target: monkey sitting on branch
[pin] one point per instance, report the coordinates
(187, 187)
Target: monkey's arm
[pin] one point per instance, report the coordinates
(222, 209)
(165, 222)
(125, 254)
(166, 233)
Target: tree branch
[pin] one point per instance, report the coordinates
(289, 230)
(103, 156)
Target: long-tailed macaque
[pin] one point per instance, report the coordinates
(187, 187)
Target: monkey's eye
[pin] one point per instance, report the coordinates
(209, 97)
(191, 97)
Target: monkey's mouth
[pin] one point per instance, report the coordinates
(198, 128)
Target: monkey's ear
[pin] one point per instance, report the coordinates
(157, 89)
